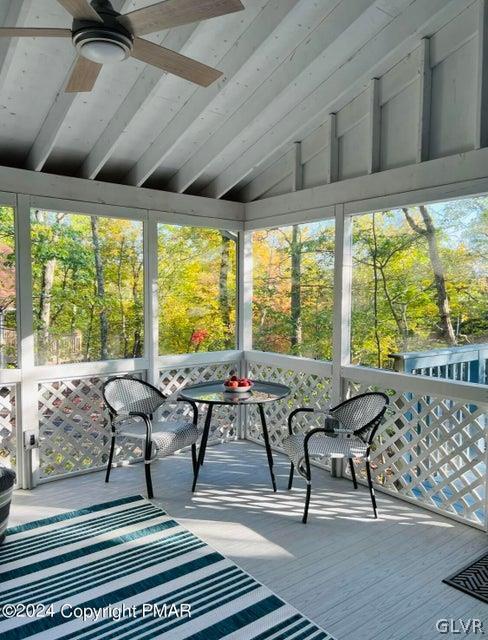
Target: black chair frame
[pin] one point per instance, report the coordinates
(147, 419)
(367, 431)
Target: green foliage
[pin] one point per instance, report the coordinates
(395, 307)
(190, 272)
(272, 325)
(8, 338)
(394, 296)
(407, 315)
(73, 321)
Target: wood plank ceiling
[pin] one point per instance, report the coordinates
(286, 64)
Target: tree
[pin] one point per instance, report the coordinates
(7, 296)
(100, 289)
(295, 290)
(224, 303)
(429, 232)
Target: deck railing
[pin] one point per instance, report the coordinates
(431, 449)
(468, 363)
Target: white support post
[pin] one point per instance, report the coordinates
(28, 419)
(244, 312)
(374, 133)
(425, 76)
(341, 340)
(151, 306)
(481, 107)
(245, 287)
(297, 167)
(333, 169)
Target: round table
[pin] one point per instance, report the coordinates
(213, 393)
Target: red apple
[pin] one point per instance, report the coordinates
(233, 384)
(234, 378)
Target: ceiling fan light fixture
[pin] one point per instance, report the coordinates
(103, 46)
(103, 51)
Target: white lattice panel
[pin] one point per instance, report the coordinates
(73, 430)
(433, 450)
(8, 447)
(307, 390)
(224, 418)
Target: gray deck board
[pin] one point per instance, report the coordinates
(358, 578)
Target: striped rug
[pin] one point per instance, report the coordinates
(125, 569)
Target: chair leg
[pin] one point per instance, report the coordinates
(194, 457)
(147, 470)
(307, 501)
(371, 489)
(290, 479)
(353, 472)
(110, 459)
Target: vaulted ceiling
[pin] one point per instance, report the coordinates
(286, 64)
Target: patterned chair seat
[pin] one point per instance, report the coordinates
(320, 446)
(168, 436)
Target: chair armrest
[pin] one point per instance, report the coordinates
(312, 433)
(294, 413)
(147, 421)
(304, 410)
(193, 405)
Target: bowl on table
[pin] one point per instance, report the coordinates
(237, 385)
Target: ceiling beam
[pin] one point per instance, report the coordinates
(481, 109)
(142, 91)
(12, 14)
(394, 42)
(269, 178)
(257, 48)
(315, 57)
(192, 40)
(53, 122)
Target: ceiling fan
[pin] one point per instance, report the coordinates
(102, 35)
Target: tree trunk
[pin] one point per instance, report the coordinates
(400, 318)
(375, 295)
(123, 323)
(295, 291)
(47, 282)
(442, 299)
(137, 344)
(224, 305)
(100, 289)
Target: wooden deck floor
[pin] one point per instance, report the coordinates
(358, 578)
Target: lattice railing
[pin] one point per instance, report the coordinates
(224, 418)
(8, 440)
(431, 447)
(308, 389)
(73, 431)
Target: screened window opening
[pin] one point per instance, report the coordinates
(293, 289)
(420, 289)
(88, 287)
(8, 324)
(197, 286)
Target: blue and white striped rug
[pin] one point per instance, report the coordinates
(132, 572)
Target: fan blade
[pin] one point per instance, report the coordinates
(83, 76)
(172, 13)
(80, 10)
(174, 63)
(21, 32)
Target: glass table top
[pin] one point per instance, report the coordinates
(214, 393)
